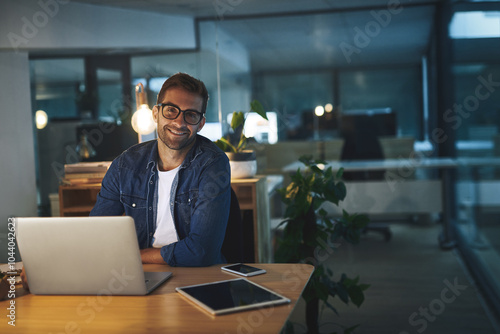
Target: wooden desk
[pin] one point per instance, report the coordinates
(163, 311)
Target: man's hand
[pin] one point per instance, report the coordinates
(152, 255)
(24, 280)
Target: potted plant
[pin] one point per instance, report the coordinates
(243, 162)
(307, 229)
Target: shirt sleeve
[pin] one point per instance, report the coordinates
(108, 199)
(202, 246)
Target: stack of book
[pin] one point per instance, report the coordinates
(85, 172)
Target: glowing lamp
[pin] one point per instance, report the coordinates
(41, 119)
(142, 119)
(319, 111)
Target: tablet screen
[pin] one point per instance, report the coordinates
(231, 296)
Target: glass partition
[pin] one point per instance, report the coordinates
(397, 88)
(56, 84)
(476, 119)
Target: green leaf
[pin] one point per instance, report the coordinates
(225, 145)
(321, 291)
(340, 172)
(283, 223)
(237, 120)
(258, 108)
(328, 173)
(242, 143)
(304, 196)
(316, 169)
(342, 293)
(356, 294)
(306, 160)
(340, 190)
(288, 328)
(328, 223)
(361, 221)
(319, 161)
(351, 329)
(330, 306)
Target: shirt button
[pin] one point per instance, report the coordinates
(150, 208)
(150, 182)
(133, 205)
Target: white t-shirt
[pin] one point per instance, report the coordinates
(165, 233)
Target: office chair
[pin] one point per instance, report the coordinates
(361, 143)
(232, 246)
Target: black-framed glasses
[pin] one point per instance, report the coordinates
(170, 111)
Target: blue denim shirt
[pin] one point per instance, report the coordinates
(200, 200)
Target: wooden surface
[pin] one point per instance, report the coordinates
(77, 200)
(163, 311)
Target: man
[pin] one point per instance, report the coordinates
(177, 188)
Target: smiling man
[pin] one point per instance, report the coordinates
(177, 188)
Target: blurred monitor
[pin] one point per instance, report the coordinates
(211, 130)
(261, 130)
(361, 130)
(379, 122)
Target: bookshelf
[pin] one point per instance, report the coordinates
(77, 200)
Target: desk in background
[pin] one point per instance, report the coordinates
(436, 194)
(163, 311)
(439, 192)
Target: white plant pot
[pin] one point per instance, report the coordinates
(243, 164)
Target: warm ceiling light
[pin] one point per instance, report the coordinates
(41, 119)
(319, 111)
(328, 107)
(142, 119)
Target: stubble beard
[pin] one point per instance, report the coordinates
(176, 145)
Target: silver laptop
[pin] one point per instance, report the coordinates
(83, 256)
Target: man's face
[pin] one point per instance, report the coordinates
(176, 134)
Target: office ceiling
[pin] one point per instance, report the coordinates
(314, 34)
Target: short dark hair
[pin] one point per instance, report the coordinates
(188, 83)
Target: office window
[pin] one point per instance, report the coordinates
(475, 24)
(235, 87)
(476, 114)
(399, 89)
(56, 85)
(294, 96)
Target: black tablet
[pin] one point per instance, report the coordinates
(230, 296)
